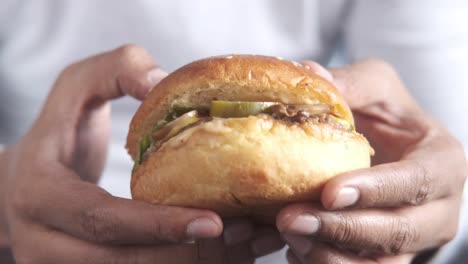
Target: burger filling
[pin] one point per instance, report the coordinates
(182, 118)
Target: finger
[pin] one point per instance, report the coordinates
(319, 252)
(388, 185)
(215, 249)
(128, 70)
(267, 240)
(370, 82)
(237, 230)
(88, 212)
(318, 69)
(307, 252)
(51, 246)
(384, 231)
(89, 162)
(263, 241)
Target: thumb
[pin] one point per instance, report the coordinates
(76, 116)
(85, 85)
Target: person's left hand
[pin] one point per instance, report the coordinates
(407, 203)
(51, 210)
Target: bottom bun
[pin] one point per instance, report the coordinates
(239, 166)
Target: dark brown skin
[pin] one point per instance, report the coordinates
(51, 210)
(407, 202)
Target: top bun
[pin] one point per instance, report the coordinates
(233, 78)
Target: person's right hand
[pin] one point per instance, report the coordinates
(54, 211)
(406, 203)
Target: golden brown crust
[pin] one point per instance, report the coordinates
(237, 166)
(236, 77)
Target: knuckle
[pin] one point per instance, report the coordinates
(454, 143)
(380, 189)
(421, 179)
(449, 233)
(450, 230)
(383, 67)
(461, 159)
(162, 231)
(26, 201)
(130, 53)
(157, 231)
(346, 230)
(99, 226)
(403, 234)
(68, 72)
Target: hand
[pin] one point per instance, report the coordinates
(244, 240)
(409, 201)
(52, 210)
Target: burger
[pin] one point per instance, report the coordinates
(241, 134)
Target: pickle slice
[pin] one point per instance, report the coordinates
(188, 120)
(175, 126)
(179, 110)
(227, 109)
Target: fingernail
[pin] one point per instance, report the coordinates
(304, 224)
(266, 244)
(237, 233)
(347, 196)
(300, 245)
(155, 75)
(202, 228)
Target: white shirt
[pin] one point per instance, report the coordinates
(426, 40)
